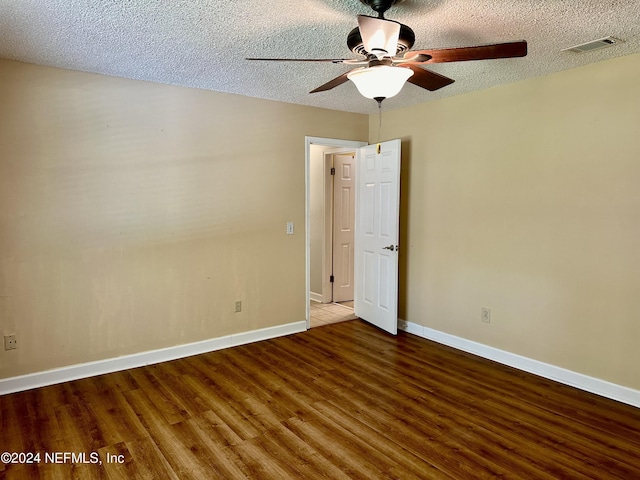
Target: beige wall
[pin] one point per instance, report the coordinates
(525, 199)
(133, 215)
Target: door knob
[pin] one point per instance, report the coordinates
(390, 247)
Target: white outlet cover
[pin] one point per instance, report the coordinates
(289, 228)
(10, 342)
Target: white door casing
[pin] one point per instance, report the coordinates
(377, 233)
(343, 225)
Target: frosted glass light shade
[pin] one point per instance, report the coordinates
(381, 81)
(379, 36)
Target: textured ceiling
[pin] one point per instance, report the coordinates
(203, 43)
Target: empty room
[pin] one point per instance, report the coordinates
(158, 239)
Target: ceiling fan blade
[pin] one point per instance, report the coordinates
(332, 60)
(483, 52)
(419, 58)
(426, 79)
(332, 83)
(379, 36)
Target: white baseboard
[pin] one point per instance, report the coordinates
(552, 372)
(316, 297)
(84, 370)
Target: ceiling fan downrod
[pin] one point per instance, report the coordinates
(380, 6)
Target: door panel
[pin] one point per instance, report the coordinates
(367, 209)
(377, 230)
(369, 275)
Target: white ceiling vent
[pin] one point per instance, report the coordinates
(593, 45)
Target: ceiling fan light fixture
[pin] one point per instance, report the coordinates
(381, 81)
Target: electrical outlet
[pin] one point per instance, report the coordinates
(289, 228)
(238, 306)
(485, 315)
(10, 342)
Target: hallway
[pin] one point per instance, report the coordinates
(328, 313)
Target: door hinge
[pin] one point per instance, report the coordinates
(333, 170)
(331, 278)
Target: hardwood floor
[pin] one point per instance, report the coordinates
(343, 401)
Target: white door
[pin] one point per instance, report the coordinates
(344, 197)
(377, 231)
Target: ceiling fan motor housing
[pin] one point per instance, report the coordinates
(405, 41)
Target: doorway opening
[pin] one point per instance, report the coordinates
(332, 212)
(329, 229)
(328, 313)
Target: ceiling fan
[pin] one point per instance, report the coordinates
(387, 61)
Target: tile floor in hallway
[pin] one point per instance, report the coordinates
(327, 313)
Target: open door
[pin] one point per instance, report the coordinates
(377, 232)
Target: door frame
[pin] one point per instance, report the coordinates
(326, 142)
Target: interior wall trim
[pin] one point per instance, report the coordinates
(316, 297)
(568, 377)
(100, 367)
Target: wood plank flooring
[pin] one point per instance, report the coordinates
(342, 401)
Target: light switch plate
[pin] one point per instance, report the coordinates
(289, 228)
